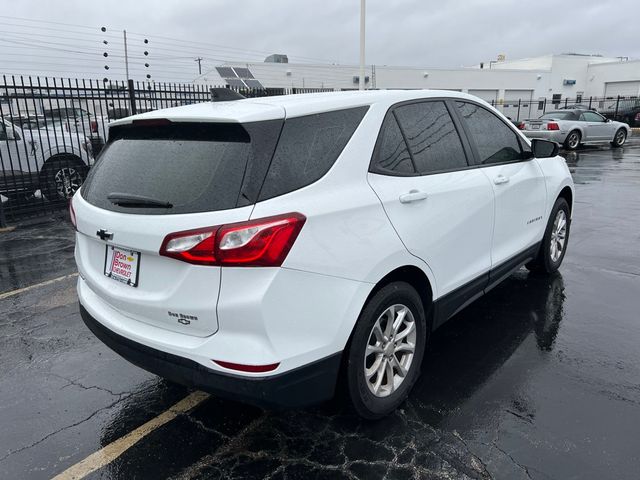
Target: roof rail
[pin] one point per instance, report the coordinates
(222, 94)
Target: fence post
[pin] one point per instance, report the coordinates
(590, 98)
(518, 116)
(3, 220)
(615, 116)
(544, 107)
(132, 96)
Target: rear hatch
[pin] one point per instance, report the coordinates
(157, 178)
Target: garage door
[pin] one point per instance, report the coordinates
(486, 95)
(624, 89)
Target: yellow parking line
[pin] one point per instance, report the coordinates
(37, 285)
(108, 454)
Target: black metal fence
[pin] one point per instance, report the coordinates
(51, 130)
(623, 109)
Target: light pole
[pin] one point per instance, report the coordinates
(361, 77)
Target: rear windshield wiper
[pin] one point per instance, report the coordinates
(136, 201)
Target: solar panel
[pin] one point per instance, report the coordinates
(253, 84)
(226, 72)
(243, 72)
(235, 82)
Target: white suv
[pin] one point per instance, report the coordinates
(262, 249)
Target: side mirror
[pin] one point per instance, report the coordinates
(607, 120)
(544, 148)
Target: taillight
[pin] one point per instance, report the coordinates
(637, 117)
(265, 242)
(72, 215)
(521, 126)
(94, 126)
(552, 126)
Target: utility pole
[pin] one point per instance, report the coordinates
(126, 55)
(199, 60)
(361, 77)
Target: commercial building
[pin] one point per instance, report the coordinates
(511, 84)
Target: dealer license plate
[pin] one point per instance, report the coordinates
(122, 265)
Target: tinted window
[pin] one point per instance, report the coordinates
(495, 141)
(308, 148)
(592, 117)
(392, 155)
(432, 137)
(194, 167)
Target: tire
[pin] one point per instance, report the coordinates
(391, 301)
(619, 139)
(549, 257)
(573, 140)
(61, 177)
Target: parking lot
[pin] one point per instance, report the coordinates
(539, 379)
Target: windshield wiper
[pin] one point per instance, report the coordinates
(136, 201)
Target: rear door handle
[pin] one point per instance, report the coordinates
(413, 196)
(500, 179)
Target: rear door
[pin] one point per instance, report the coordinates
(441, 208)
(150, 182)
(516, 178)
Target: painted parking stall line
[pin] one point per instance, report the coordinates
(11, 293)
(109, 453)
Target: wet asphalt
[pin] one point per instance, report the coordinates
(539, 379)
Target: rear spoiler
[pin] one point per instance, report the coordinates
(221, 94)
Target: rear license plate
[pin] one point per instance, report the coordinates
(535, 127)
(122, 265)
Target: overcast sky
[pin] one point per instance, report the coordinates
(425, 33)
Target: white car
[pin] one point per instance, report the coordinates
(258, 248)
(573, 127)
(49, 159)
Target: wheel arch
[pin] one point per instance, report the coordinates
(567, 194)
(412, 275)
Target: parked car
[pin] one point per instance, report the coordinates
(572, 128)
(259, 248)
(626, 111)
(49, 159)
(78, 120)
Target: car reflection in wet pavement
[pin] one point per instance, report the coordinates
(538, 379)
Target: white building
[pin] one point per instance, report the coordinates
(518, 84)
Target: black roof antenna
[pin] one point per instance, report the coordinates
(221, 94)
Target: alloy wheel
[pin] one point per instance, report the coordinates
(621, 136)
(574, 140)
(558, 236)
(68, 180)
(390, 350)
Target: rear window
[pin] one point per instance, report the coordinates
(308, 148)
(192, 167)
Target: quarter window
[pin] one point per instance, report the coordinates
(432, 137)
(393, 154)
(496, 143)
(308, 148)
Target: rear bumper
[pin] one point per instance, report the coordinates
(553, 135)
(302, 386)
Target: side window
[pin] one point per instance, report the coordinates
(592, 117)
(308, 148)
(432, 137)
(392, 155)
(495, 141)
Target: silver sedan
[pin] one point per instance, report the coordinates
(572, 128)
